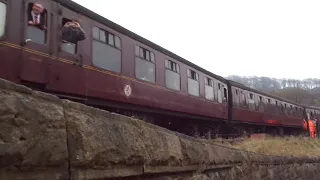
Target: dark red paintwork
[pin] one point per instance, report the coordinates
(254, 116)
(58, 72)
(75, 75)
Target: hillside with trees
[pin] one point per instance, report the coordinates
(305, 91)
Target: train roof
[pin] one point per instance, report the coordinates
(242, 86)
(84, 11)
(312, 107)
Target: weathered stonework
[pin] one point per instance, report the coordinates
(32, 134)
(44, 137)
(248, 172)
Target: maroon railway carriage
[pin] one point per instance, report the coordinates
(261, 110)
(111, 67)
(116, 69)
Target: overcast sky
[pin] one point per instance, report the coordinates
(274, 38)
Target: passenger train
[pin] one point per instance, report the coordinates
(118, 70)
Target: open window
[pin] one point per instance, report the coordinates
(71, 34)
(225, 94)
(37, 23)
(65, 44)
(3, 13)
(251, 96)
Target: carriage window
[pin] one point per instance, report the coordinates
(102, 36)
(106, 37)
(117, 42)
(152, 58)
(145, 54)
(3, 12)
(225, 95)
(172, 66)
(193, 75)
(251, 96)
(145, 65)
(95, 32)
(243, 98)
(111, 39)
(137, 50)
(172, 74)
(148, 56)
(193, 83)
(208, 81)
(106, 52)
(209, 91)
(71, 33)
(37, 23)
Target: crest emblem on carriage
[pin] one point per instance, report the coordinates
(127, 90)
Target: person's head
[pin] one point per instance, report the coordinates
(70, 24)
(37, 8)
(74, 19)
(73, 23)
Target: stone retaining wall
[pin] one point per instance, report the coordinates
(44, 137)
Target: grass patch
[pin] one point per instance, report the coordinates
(287, 146)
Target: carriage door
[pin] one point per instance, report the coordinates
(66, 73)
(36, 41)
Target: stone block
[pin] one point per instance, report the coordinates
(100, 141)
(193, 150)
(163, 147)
(32, 135)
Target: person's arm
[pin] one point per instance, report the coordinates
(30, 20)
(42, 21)
(81, 35)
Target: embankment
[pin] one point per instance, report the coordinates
(44, 137)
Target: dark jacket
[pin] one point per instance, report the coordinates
(73, 34)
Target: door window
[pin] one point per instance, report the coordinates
(37, 23)
(3, 12)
